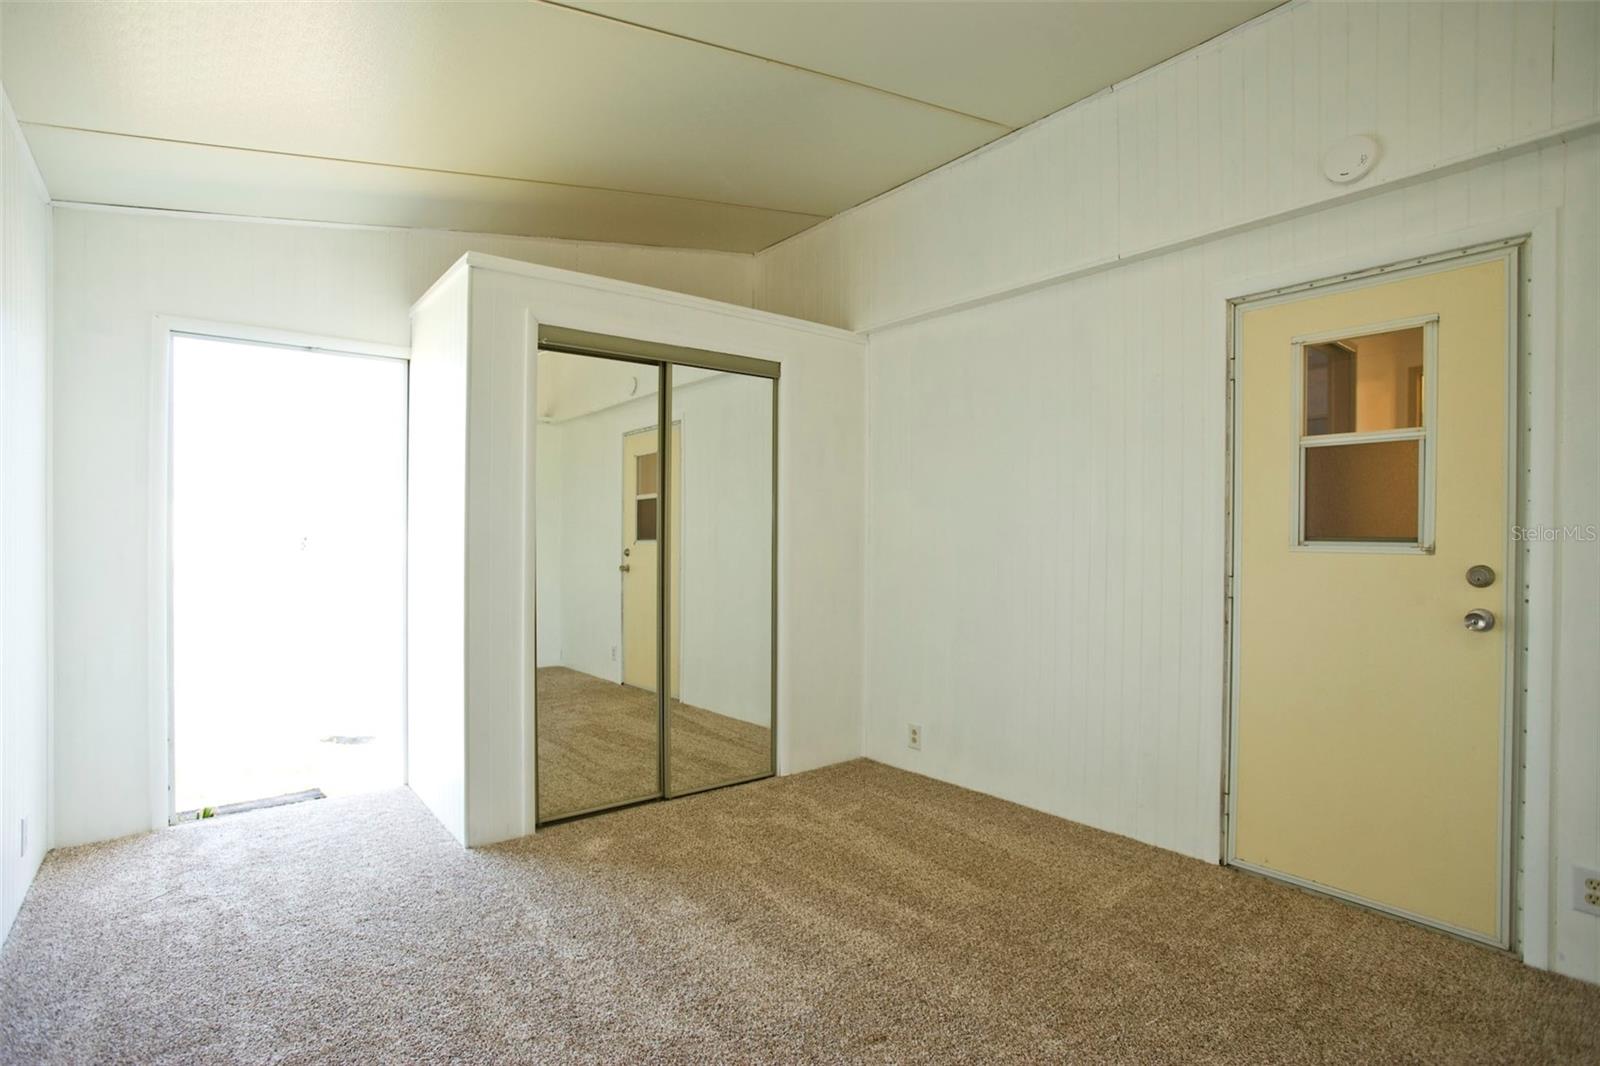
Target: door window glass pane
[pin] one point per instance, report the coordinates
(1330, 389)
(647, 467)
(645, 511)
(1362, 491)
(1366, 384)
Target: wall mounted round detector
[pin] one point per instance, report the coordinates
(1350, 159)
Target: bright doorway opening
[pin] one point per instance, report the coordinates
(288, 549)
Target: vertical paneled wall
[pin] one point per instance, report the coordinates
(24, 517)
(1046, 391)
(114, 272)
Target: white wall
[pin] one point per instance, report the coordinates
(24, 516)
(725, 547)
(1046, 392)
(435, 575)
(114, 271)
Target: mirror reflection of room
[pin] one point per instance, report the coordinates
(720, 719)
(596, 537)
(602, 534)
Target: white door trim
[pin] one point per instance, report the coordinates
(1530, 812)
(159, 527)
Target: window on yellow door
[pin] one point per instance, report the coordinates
(646, 496)
(1363, 440)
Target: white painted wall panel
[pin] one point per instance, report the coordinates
(1575, 91)
(500, 784)
(25, 249)
(114, 271)
(436, 494)
(1046, 390)
(1576, 812)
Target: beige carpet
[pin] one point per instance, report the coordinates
(852, 914)
(597, 744)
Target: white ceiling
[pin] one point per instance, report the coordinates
(708, 125)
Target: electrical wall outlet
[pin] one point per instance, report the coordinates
(914, 737)
(1586, 890)
(613, 653)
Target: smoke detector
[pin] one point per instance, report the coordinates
(1350, 159)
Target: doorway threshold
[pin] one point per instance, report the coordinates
(203, 813)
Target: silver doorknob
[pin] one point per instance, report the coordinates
(1479, 620)
(625, 568)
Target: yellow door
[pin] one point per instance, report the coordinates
(641, 496)
(1370, 702)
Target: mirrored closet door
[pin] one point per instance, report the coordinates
(655, 579)
(597, 553)
(719, 722)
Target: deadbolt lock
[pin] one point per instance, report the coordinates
(1480, 576)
